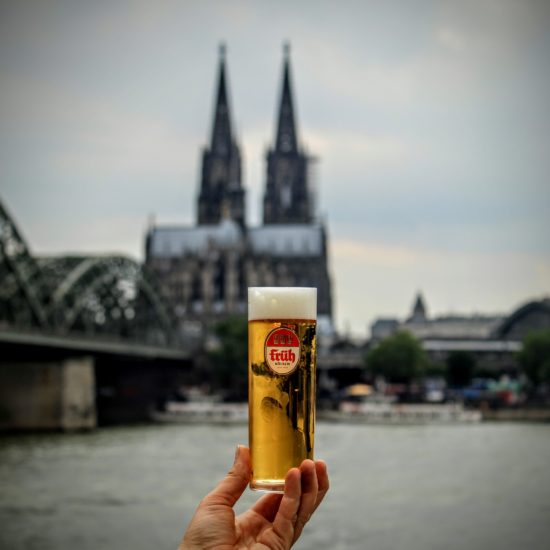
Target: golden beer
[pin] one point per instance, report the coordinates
(281, 381)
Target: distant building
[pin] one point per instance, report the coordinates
(492, 339)
(530, 317)
(448, 326)
(204, 270)
(382, 328)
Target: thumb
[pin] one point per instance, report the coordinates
(231, 487)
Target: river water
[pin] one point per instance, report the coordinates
(482, 486)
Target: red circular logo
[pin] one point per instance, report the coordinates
(282, 350)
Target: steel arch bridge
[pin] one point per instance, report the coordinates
(109, 297)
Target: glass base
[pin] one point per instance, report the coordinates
(268, 485)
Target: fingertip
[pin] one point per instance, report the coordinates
(309, 477)
(321, 465)
(307, 464)
(242, 455)
(237, 454)
(293, 481)
(293, 473)
(322, 474)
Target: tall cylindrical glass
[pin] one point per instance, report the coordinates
(281, 381)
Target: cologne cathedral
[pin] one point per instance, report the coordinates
(204, 270)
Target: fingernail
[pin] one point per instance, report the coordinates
(237, 451)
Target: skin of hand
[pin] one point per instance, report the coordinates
(274, 522)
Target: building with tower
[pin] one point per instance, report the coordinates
(204, 270)
(493, 341)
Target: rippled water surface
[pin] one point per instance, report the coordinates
(413, 487)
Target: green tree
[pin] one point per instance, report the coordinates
(229, 357)
(399, 358)
(435, 369)
(535, 356)
(461, 365)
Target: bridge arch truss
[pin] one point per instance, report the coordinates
(109, 296)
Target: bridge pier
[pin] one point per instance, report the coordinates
(58, 394)
(53, 382)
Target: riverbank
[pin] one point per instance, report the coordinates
(386, 413)
(516, 415)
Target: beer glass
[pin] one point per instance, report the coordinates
(281, 381)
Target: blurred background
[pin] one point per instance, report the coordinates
(158, 159)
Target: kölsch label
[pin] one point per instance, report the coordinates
(282, 350)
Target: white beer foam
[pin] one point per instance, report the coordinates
(282, 303)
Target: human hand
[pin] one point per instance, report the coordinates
(274, 522)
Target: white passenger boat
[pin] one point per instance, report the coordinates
(195, 412)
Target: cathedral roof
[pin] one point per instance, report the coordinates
(295, 240)
(173, 241)
(287, 240)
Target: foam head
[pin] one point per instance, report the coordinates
(282, 303)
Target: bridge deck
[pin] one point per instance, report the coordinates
(91, 346)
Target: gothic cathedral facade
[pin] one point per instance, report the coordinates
(204, 270)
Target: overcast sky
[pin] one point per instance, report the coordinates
(430, 120)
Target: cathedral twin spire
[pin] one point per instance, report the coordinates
(221, 129)
(221, 192)
(287, 198)
(286, 140)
